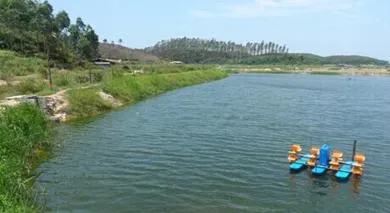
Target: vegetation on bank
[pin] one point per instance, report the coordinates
(325, 73)
(24, 132)
(20, 75)
(131, 89)
(30, 27)
(13, 64)
(194, 50)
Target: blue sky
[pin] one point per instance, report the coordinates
(324, 27)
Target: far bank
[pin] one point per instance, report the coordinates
(311, 70)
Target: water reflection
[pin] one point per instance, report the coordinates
(356, 184)
(318, 183)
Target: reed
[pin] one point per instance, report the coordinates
(24, 133)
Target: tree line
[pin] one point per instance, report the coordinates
(212, 45)
(30, 27)
(196, 50)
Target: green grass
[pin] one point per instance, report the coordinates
(271, 72)
(6, 91)
(24, 131)
(31, 86)
(86, 102)
(334, 69)
(13, 64)
(324, 73)
(131, 89)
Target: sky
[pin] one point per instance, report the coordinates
(324, 27)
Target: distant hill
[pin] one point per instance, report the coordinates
(352, 60)
(114, 51)
(342, 59)
(204, 51)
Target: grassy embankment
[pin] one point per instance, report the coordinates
(361, 70)
(24, 75)
(24, 131)
(131, 89)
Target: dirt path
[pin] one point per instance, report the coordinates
(57, 105)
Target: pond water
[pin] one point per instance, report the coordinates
(223, 146)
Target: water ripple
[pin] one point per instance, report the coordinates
(221, 147)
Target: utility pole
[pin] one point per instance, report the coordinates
(48, 69)
(53, 35)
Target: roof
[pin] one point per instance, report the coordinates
(102, 63)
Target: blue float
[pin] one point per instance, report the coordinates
(323, 161)
(299, 164)
(345, 171)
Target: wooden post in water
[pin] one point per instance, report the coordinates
(354, 150)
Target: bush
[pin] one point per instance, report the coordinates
(13, 64)
(31, 86)
(81, 78)
(97, 75)
(86, 102)
(63, 79)
(23, 129)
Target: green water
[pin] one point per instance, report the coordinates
(222, 147)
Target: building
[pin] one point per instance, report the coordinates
(176, 62)
(106, 62)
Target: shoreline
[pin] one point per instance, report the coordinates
(314, 71)
(73, 104)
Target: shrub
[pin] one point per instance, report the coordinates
(31, 86)
(63, 79)
(97, 75)
(81, 78)
(23, 129)
(86, 102)
(13, 64)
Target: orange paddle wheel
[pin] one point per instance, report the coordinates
(294, 153)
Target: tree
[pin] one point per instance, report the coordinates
(105, 41)
(30, 27)
(196, 50)
(62, 20)
(120, 41)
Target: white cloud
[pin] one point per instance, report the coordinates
(258, 8)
